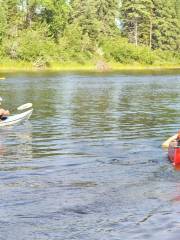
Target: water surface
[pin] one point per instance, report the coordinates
(89, 163)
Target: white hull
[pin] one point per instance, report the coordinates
(18, 118)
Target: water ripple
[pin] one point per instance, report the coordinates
(89, 164)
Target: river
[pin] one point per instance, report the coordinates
(89, 163)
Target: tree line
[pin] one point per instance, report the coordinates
(124, 31)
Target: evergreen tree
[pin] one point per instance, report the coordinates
(75, 27)
(31, 7)
(83, 14)
(13, 16)
(177, 6)
(55, 13)
(107, 12)
(165, 25)
(136, 16)
(3, 22)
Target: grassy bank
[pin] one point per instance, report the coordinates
(12, 66)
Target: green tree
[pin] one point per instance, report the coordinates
(55, 13)
(107, 12)
(72, 30)
(165, 25)
(177, 4)
(30, 7)
(74, 45)
(136, 16)
(3, 22)
(83, 14)
(13, 16)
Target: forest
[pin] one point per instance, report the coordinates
(47, 32)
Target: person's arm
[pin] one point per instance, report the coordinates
(167, 142)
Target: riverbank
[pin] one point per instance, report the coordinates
(91, 67)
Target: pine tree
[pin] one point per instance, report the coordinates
(165, 25)
(83, 14)
(55, 13)
(107, 12)
(136, 16)
(13, 16)
(95, 17)
(177, 6)
(3, 22)
(30, 10)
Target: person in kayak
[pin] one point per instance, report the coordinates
(4, 113)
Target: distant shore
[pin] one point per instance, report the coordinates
(109, 67)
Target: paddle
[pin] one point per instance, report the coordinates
(167, 142)
(24, 106)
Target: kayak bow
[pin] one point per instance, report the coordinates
(18, 118)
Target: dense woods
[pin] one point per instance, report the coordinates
(126, 31)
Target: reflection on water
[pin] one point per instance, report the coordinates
(15, 145)
(89, 164)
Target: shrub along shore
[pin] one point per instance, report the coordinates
(89, 35)
(90, 67)
(112, 54)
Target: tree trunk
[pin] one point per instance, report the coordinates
(150, 34)
(30, 11)
(136, 32)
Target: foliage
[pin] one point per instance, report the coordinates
(83, 14)
(77, 48)
(126, 31)
(119, 50)
(30, 46)
(136, 17)
(107, 11)
(3, 23)
(165, 25)
(55, 13)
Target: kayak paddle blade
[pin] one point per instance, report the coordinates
(24, 106)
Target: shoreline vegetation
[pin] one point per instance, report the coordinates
(89, 67)
(95, 36)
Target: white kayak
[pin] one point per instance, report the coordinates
(18, 118)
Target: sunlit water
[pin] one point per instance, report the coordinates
(89, 163)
